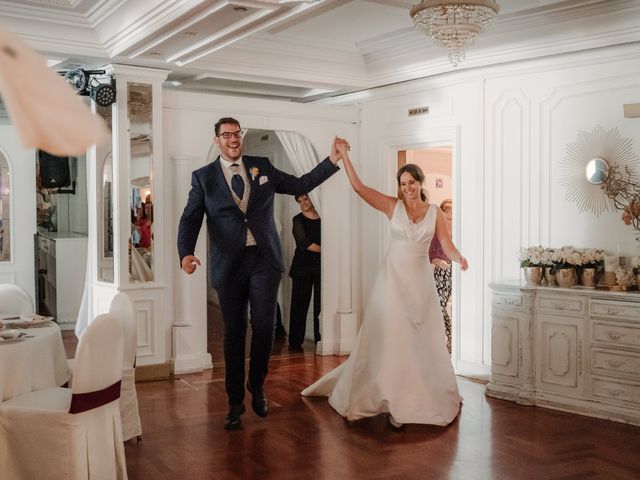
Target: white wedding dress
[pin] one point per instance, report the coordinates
(399, 363)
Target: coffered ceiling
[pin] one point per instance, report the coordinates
(299, 50)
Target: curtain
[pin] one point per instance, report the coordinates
(303, 157)
(86, 305)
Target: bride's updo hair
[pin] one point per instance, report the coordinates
(416, 172)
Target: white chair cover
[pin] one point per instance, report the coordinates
(14, 299)
(122, 307)
(40, 437)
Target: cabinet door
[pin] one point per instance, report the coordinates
(559, 355)
(506, 352)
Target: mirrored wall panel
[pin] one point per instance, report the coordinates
(139, 107)
(5, 210)
(105, 209)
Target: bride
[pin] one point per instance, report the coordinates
(399, 363)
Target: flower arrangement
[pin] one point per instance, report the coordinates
(531, 256)
(624, 277)
(592, 258)
(567, 257)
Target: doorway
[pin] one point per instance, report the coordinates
(436, 164)
(265, 143)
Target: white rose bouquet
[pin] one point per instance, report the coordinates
(531, 256)
(592, 258)
(567, 257)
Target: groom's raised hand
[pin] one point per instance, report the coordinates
(336, 154)
(190, 263)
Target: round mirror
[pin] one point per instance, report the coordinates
(597, 170)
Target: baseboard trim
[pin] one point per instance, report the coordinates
(150, 373)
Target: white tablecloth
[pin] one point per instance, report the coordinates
(34, 363)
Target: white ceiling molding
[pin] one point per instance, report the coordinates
(270, 20)
(142, 21)
(212, 39)
(40, 14)
(179, 28)
(543, 32)
(311, 12)
(103, 10)
(59, 3)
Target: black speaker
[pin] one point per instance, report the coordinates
(54, 170)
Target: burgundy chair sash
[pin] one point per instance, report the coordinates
(81, 402)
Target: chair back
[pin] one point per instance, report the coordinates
(14, 299)
(122, 307)
(98, 364)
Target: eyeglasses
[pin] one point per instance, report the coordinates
(228, 135)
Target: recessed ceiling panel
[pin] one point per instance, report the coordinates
(198, 30)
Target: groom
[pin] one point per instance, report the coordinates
(236, 193)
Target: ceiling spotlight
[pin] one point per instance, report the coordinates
(103, 94)
(77, 79)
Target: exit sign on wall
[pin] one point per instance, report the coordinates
(418, 111)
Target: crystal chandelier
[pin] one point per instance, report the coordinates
(454, 24)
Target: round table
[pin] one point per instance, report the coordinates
(34, 362)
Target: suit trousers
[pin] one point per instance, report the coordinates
(254, 285)
(301, 287)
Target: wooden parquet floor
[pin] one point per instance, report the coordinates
(304, 438)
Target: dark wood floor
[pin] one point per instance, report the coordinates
(183, 436)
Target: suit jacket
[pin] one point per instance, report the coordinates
(227, 225)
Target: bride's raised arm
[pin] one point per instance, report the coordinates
(442, 231)
(376, 199)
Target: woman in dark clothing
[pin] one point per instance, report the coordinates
(305, 273)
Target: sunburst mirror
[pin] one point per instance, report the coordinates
(587, 163)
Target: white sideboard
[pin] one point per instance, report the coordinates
(62, 267)
(571, 349)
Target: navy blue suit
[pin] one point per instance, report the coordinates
(243, 274)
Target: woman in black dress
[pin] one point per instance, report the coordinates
(305, 273)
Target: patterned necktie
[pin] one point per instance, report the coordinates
(237, 184)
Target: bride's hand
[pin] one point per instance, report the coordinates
(463, 263)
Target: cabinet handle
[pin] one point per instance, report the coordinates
(520, 355)
(615, 363)
(615, 392)
(509, 301)
(579, 358)
(615, 335)
(560, 306)
(613, 311)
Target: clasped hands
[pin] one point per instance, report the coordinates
(339, 148)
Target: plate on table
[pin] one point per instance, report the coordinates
(34, 319)
(10, 335)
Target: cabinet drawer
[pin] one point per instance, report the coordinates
(614, 333)
(508, 299)
(612, 309)
(565, 305)
(605, 362)
(615, 390)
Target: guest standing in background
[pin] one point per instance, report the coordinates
(442, 270)
(305, 273)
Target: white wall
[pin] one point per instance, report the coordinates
(508, 126)
(188, 125)
(23, 211)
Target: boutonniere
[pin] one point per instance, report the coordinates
(254, 172)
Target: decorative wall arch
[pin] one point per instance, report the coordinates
(6, 208)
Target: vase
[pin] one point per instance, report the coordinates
(566, 277)
(550, 276)
(589, 277)
(533, 276)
